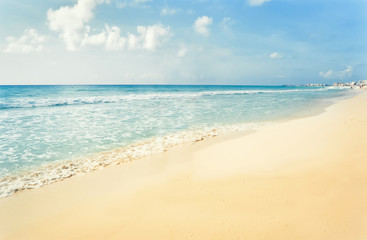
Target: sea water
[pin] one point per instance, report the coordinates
(48, 133)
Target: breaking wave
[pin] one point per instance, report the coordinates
(49, 102)
(54, 172)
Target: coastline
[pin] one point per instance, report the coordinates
(49, 173)
(300, 179)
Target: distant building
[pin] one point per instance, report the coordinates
(361, 83)
(339, 84)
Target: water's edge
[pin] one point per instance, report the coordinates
(54, 172)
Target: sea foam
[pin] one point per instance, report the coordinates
(53, 172)
(49, 133)
(53, 102)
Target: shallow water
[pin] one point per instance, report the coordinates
(48, 125)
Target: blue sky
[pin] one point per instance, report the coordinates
(267, 42)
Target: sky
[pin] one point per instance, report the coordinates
(246, 42)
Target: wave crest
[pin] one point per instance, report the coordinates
(54, 172)
(47, 102)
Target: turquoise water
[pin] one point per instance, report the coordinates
(44, 124)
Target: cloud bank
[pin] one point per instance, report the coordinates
(30, 41)
(71, 24)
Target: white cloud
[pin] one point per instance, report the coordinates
(327, 74)
(257, 2)
(348, 71)
(30, 41)
(202, 24)
(148, 38)
(153, 36)
(96, 39)
(275, 55)
(168, 11)
(70, 22)
(182, 52)
(340, 75)
(113, 40)
(133, 41)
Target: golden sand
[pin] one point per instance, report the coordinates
(302, 179)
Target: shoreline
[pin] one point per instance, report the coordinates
(49, 173)
(299, 179)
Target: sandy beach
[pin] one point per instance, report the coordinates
(300, 179)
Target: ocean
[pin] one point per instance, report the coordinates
(48, 133)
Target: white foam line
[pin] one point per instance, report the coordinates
(31, 102)
(51, 173)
